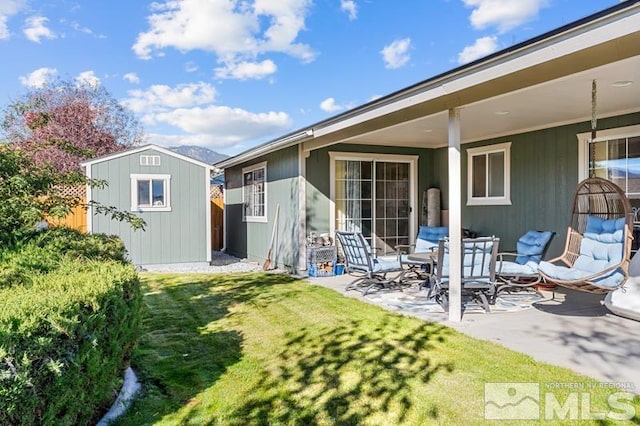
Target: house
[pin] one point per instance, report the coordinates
(170, 191)
(506, 139)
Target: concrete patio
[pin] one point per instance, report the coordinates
(572, 329)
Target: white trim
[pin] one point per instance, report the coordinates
(601, 135)
(274, 145)
(89, 196)
(135, 177)
(505, 200)
(207, 182)
(302, 208)
(412, 160)
(144, 148)
(265, 217)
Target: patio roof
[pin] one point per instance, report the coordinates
(541, 83)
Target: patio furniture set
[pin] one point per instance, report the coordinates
(595, 258)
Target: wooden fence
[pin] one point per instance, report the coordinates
(217, 223)
(77, 219)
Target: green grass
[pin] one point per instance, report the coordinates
(267, 349)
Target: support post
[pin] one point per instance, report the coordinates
(455, 218)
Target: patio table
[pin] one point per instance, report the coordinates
(428, 257)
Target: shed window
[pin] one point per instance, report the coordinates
(255, 193)
(150, 192)
(489, 175)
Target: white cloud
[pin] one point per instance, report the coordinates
(35, 29)
(189, 109)
(236, 32)
(131, 77)
(161, 97)
(247, 70)
(8, 8)
(350, 7)
(503, 14)
(39, 77)
(224, 123)
(482, 47)
(330, 105)
(89, 78)
(396, 54)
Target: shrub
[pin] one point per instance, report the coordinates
(42, 252)
(65, 338)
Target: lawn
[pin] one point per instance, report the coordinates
(268, 349)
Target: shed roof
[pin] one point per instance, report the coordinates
(143, 148)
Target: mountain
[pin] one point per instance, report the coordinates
(199, 153)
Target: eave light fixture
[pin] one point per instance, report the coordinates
(622, 83)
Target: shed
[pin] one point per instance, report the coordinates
(170, 191)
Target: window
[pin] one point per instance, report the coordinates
(613, 155)
(619, 161)
(149, 160)
(254, 190)
(489, 175)
(150, 192)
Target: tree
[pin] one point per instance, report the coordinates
(64, 123)
(28, 195)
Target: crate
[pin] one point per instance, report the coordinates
(320, 258)
(322, 254)
(315, 270)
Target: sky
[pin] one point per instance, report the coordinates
(232, 74)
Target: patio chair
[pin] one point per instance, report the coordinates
(360, 260)
(598, 247)
(478, 282)
(426, 241)
(520, 269)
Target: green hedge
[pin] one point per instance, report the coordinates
(65, 337)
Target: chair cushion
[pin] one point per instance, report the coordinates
(514, 268)
(531, 246)
(564, 273)
(476, 261)
(428, 237)
(423, 246)
(386, 265)
(601, 247)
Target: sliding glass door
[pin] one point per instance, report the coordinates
(373, 197)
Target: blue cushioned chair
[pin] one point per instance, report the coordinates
(479, 257)
(359, 260)
(520, 269)
(598, 248)
(427, 240)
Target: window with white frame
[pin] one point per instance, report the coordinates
(150, 192)
(489, 175)
(614, 155)
(254, 192)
